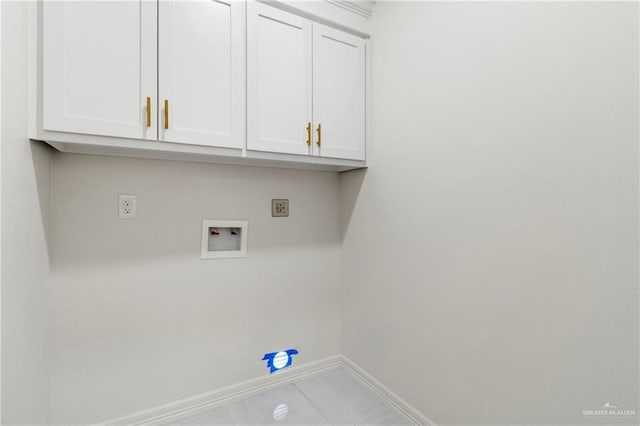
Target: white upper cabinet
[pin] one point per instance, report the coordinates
(231, 81)
(100, 66)
(305, 86)
(278, 80)
(338, 93)
(202, 72)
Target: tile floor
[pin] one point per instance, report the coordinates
(332, 398)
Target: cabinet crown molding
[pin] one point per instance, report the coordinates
(363, 8)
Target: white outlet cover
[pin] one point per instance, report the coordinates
(127, 207)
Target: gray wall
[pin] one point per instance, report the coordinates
(139, 320)
(491, 251)
(24, 215)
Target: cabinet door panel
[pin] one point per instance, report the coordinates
(338, 93)
(278, 81)
(201, 73)
(99, 66)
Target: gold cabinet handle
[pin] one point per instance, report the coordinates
(309, 134)
(166, 114)
(319, 134)
(148, 111)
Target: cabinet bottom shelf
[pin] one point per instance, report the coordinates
(205, 154)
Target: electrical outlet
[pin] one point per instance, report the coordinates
(279, 208)
(127, 207)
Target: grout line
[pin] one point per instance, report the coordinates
(367, 386)
(333, 391)
(234, 416)
(384, 393)
(304, 395)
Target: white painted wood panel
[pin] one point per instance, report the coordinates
(100, 64)
(202, 72)
(279, 67)
(338, 93)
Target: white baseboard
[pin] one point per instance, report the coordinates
(208, 400)
(223, 395)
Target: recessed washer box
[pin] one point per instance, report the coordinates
(224, 239)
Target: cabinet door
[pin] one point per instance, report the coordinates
(278, 80)
(338, 93)
(99, 67)
(201, 72)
